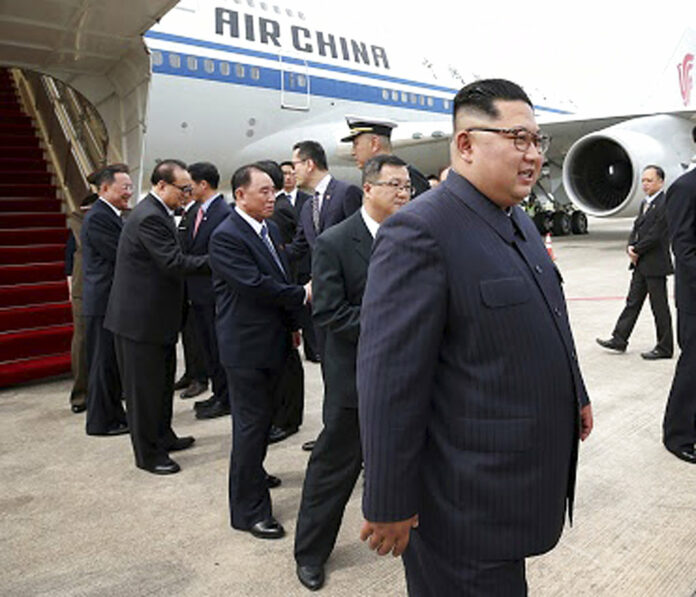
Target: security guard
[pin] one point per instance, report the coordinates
(372, 137)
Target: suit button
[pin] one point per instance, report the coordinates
(573, 356)
(538, 269)
(557, 311)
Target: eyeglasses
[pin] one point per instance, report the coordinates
(187, 188)
(295, 162)
(521, 137)
(397, 186)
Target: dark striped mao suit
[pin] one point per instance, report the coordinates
(469, 388)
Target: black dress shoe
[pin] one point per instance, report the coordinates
(687, 454)
(182, 383)
(278, 434)
(208, 402)
(311, 577)
(267, 529)
(118, 429)
(313, 357)
(78, 408)
(613, 344)
(165, 467)
(195, 388)
(216, 410)
(655, 354)
(272, 481)
(309, 446)
(182, 443)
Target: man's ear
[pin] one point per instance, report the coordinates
(462, 141)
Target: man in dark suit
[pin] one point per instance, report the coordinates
(470, 453)
(371, 137)
(100, 234)
(194, 380)
(212, 209)
(341, 257)
(679, 425)
(144, 313)
(332, 202)
(257, 308)
(648, 250)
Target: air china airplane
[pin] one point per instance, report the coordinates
(239, 80)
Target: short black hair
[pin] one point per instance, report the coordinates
(287, 163)
(273, 170)
(89, 200)
(205, 171)
(481, 95)
(374, 166)
(107, 174)
(242, 176)
(164, 170)
(659, 171)
(312, 150)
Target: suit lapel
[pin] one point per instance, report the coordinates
(361, 237)
(255, 241)
(326, 204)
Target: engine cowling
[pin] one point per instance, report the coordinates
(602, 170)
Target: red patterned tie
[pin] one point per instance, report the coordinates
(199, 219)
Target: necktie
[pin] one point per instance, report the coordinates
(267, 241)
(315, 212)
(199, 218)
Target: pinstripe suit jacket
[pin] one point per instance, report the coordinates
(468, 383)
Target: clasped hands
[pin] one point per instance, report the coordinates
(388, 537)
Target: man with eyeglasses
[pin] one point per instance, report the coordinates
(371, 137)
(339, 272)
(470, 450)
(144, 313)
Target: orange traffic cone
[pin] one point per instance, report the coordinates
(549, 247)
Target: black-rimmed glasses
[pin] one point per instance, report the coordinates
(397, 186)
(187, 188)
(522, 138)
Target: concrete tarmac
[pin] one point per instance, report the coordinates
(77, 517)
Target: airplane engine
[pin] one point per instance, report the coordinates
(602, 170)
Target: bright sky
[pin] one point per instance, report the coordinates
(602, 54)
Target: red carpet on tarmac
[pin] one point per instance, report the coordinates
(35, 315)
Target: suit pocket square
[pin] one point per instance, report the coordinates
(504, 292)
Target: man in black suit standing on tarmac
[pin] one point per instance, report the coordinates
(341, 257)
(144, 313)
(100, 234)
(648, 251)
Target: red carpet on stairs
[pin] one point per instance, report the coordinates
(35, 315)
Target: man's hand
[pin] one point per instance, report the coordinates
(632, 255)
(296, 339)
(585, 422)
(388, 536)
(308, 290)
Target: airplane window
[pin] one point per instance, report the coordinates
(446, 104)
(250, 3)
(430, 101)
(264, 6)
(225, 69)
(209, 65)
(288, 12)
(157, 57)
(385, 94)
(174, 60)
(404, 96)
(255, 73)
(192, 63)
(276, 8)
(414, 98)
(395, 96)
(301, 81)
(301, 15)
(421, 100)
(239, 70)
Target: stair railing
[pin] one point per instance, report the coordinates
(74, 133)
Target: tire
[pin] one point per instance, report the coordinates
(561, 224)
(542, 220)
(578, 222)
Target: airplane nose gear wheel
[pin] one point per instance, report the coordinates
(543, 221)
(578, 222)
(561, 224)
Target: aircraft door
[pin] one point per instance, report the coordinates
(294, 84)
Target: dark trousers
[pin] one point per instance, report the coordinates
(104, 408)
(252, 411)
(333, 468)
(204, 316)
(679, 424)
(288, 399)
(194, 357)
(656, 288)
(147, 372)
(309, 335)
(78, 355)
(428, 574)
